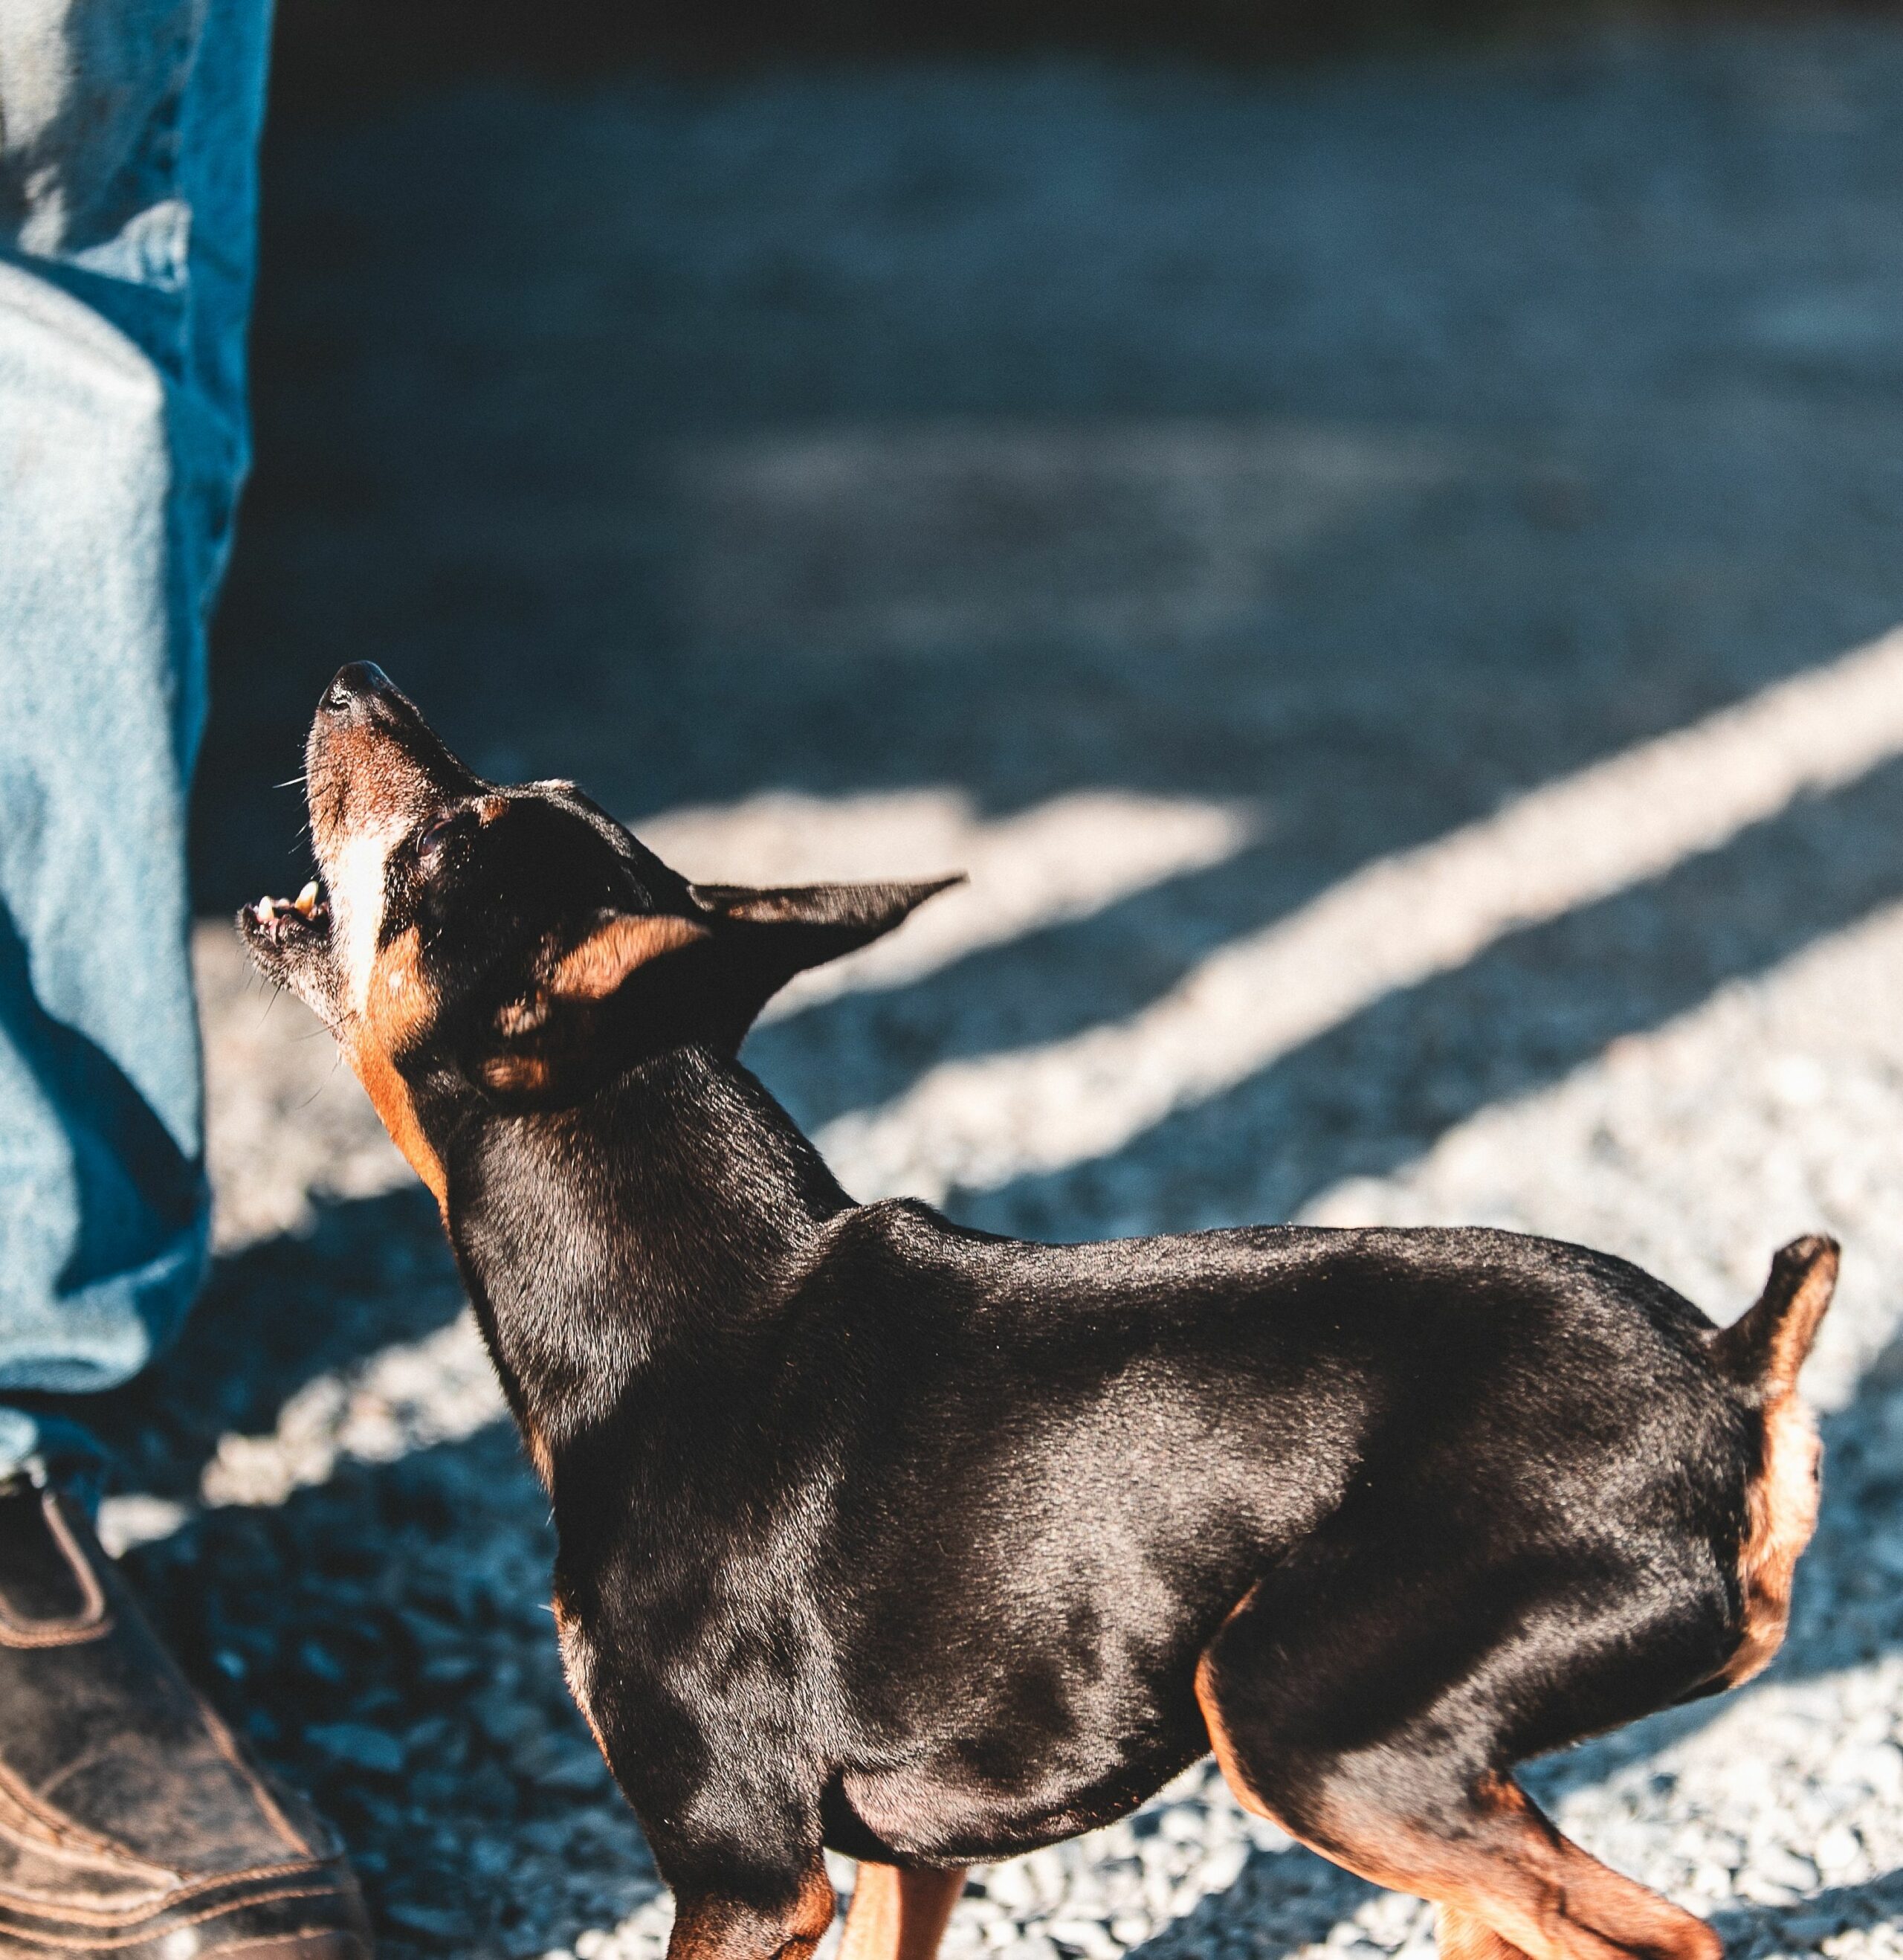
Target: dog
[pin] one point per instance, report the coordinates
(933, 1547)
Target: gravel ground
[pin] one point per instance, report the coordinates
(1230, 515)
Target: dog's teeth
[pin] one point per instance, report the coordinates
(306, 900)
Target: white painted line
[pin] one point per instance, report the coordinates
(979, 1124)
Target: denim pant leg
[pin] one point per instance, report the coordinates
(128, 135)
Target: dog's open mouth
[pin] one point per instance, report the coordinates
(282, 934)
(310, 907)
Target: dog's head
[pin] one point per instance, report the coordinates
(515, 942)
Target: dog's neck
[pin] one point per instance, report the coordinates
(664, 1221)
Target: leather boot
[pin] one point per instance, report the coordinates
(132, 1823)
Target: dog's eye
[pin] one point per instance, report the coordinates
(432, 839)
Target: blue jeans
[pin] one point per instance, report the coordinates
(128, 132)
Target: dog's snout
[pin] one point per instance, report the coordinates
(352, 683)
(371, 760)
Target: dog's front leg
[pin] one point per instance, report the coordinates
(713, 1925)
(897, 1915)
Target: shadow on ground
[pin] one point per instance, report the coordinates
(368, 1273)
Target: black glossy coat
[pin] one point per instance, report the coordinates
(904, 1537)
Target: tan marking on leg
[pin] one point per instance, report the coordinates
(1501, 1864)
(1228, 1761)
(576, 1671)
(1537, 1891)
(897, 1915)
(1464, 1937)
(814, 1913)
(538, 1454)
(718, 1929)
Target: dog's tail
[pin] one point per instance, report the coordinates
(1760, 1355)
(1762, 1352)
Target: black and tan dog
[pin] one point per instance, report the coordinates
(934, 1547)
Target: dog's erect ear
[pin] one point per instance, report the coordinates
(639, 982)
(764, 936)
(794, 926)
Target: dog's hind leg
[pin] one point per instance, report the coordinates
(1352, 1748)
(897, 1915)
(1510, 1886)
(1464, 1937)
